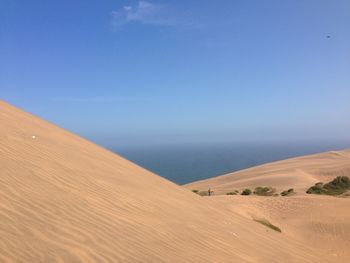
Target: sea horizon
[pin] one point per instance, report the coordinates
(184, 163)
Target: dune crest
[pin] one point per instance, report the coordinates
(299, 173)
(323, 221)
(65, 199)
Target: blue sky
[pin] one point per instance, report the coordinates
(180, 71)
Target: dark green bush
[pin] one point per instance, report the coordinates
(246, 191)
(235, 192)
(337, 186)
(316, 189)
(264, 191)
(195, 191)
(288, 192)
(340, 182)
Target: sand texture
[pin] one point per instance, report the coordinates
(299, 173)
(322, 222)
(65, 199)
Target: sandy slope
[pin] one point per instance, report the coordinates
(64, 199)
(320, 221)
(299, 173)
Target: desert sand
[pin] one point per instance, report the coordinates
(299, 173)
(65, 199)
(322, 222)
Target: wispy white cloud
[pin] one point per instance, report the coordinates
(98, 99)
(148, 13)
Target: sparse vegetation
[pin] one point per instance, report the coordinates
(267, 223)
(340, 182)
(316, 189)
(246, 191)
(264, 191)
(338, 186)
(195, 191)
(287, 192)
(235, 192)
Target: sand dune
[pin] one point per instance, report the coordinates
(299, 173)
(320, 221)
(64, 199)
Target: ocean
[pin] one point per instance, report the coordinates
(184, 163)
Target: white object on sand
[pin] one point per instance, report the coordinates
(233, 233)
(33, 137)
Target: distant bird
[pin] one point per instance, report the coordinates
(328, 36)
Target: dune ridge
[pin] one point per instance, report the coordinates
(299, 173)
(323, 221)
(65, 199)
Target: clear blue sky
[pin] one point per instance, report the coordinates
(179, 71)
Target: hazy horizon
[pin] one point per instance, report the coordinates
(188, 162)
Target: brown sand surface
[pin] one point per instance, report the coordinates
(322, 222)
(299, 173)
(65, 199)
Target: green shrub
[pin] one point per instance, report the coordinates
(339, 183)
(316, 189)
(201, 193)
(264, 191)
(246, 191)
(265, 222)
(288, 192)
(232, 193)
(337, 186)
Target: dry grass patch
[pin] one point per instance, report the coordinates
(246, 191)
(267, 223)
